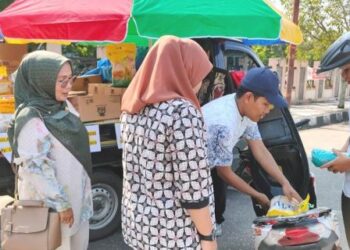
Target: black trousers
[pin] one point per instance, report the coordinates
(345, 208)
(220, 188)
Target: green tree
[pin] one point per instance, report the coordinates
(322, 22)
(266, 52)
(79, 50)
(83, 57)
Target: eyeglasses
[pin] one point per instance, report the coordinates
(64, 82)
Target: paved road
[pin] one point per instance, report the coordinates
(237, 233)
(239, 212)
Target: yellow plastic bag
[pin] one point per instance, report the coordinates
(122, 57)
(282, 206)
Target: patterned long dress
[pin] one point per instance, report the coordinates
(165, 173)
(49, 172)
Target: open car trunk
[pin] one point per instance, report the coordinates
(281, 138)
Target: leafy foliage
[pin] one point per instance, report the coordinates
(266, 52)
(322, 22)
(79, 50)
(82, 56)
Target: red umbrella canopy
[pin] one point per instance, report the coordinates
(138, 20)
(67, 20)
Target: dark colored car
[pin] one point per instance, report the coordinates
(278, 130)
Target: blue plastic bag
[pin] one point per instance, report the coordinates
(104, 68)
(320, 157)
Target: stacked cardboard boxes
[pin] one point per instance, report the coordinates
(81, 83)
(11, 55)
(102, 102)
(10, 58)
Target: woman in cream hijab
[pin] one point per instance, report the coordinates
(167, 188)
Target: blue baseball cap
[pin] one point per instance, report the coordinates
(264, 82)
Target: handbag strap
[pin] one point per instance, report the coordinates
(17, 202)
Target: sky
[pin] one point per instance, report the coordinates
(278, 4)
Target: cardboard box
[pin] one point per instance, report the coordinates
(97, 88)
(114, 91)
(107, 91)
(81, 82)
(102, 103)
(104, 89)
(95, 108)
(11, 55)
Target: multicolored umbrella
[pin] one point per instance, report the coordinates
(139, 20)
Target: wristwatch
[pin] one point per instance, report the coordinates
(210, 237)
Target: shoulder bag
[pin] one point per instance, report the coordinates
(29, 224)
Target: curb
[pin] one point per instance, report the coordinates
(319, 121)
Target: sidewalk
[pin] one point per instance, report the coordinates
(320, 113)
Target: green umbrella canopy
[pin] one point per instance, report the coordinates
(139, 20)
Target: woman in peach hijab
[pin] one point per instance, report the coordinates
(167, 187)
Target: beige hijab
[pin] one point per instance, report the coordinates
(171, 69)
